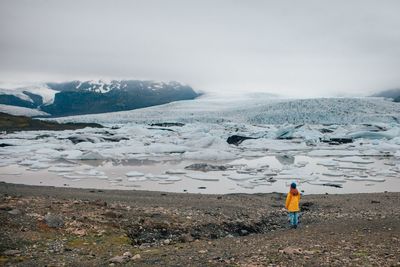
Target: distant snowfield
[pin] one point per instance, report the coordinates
(295, 140)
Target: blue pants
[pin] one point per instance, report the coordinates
(294, 218)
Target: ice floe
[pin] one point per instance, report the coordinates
(202, 177)
(134, 174)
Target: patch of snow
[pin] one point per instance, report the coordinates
(21, 111)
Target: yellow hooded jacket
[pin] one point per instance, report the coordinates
(292, 202)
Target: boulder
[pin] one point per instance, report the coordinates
(53, 221)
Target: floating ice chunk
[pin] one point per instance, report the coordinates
(175, 171)
(388, 173)
(91, 172)
(209, 155)
(269, 173)
(206, 142)
(287, 177)
(252, 154)
(137, 179)
(392, 133)
(165, 148)
(259, 181)
(359, 179)
(332, 152)
(202, 177)
(243, 177)
(334, 174)
(166, 182)
(134, 174)
(285, 133)
(301, 164)
(331, 184)
(354, 159)
(92, 155)
(333, 180)
(115, 180)
(66, 165)
(60, 169)
(327, 163)
(27, 162)
(246, 185)
(71, 154)
(132, 185)
(308, 134)
(51, 153)
(11, 173)
(247, 171)
(351, 167)
(74, 176)
(39, 165)
(160, 177)
(205, 167)
(173, 179)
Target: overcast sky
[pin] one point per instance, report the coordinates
(299, 48)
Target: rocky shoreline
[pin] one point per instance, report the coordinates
(47, 226)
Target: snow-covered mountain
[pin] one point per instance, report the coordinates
(88, 97)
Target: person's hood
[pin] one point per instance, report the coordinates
(294, 191)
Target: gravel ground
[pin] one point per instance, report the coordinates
(47, 226)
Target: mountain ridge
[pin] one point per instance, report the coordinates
(95, 96)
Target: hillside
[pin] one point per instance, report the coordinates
(10, 123)
(89, 97)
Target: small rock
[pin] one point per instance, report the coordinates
(292, 251)
(118, 259)
(14, 212)
(202, 251)
(136, 257)
(112, 214)
(185, 238)
(144, 246)
(244, 232)
(127, 254)
(11, 252)
(167, 242)
(54, 221)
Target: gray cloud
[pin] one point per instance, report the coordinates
(309, 47)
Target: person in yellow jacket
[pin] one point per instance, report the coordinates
(292, 205)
